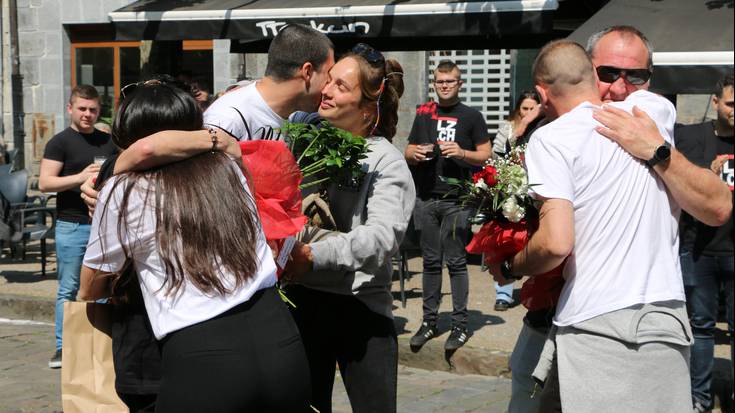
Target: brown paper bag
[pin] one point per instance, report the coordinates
(87, 372)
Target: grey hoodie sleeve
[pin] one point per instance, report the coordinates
(369, 246)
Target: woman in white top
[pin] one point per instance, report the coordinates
(191, 231)
(526, 110)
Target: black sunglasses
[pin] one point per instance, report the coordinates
(610, 74)
(371, 55)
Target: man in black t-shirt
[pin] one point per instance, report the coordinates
(447, 139)
(706, 252)
(68, 160)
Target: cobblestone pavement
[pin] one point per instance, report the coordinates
(28, 385)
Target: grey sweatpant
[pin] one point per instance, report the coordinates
(630, 360)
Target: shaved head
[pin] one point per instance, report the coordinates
(564, 68)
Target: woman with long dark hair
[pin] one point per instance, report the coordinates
(526, 110)
(191, 231)
(343, 297)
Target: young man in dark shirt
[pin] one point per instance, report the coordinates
(706, 252)
(68, 160)
(447, 139)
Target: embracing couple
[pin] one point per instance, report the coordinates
(180, 210)
(612, 186)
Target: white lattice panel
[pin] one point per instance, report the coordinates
(486, 76)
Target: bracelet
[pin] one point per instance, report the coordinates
(213, 135)
(463, 154)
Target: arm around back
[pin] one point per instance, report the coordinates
(170, 146)
(696, 190)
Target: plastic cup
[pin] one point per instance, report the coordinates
(442, 144)
(99, 160)
(428, 150)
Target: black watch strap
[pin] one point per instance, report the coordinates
(661, 154)
(506, 269)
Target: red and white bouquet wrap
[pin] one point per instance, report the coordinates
(499, 195)
(274, 178)
(313, 156)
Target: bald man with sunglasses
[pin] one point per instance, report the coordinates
(622, 57)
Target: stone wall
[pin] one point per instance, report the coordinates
(45, 65)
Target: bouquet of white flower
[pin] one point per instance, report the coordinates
(499, 195)
(499, 191)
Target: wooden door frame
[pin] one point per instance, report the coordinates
(115, 62)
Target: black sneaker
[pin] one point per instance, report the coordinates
(457, 338)
(425, 333)
(55, 362)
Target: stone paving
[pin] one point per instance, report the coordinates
(28, 385)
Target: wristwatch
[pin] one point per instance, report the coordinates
(506, 269)
(661, 154)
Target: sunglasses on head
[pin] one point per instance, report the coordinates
(127, 89)
(610, 74)
(371, 55)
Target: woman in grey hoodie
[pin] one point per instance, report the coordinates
(342, 282)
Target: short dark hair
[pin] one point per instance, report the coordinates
(295, 45)
(725, 81)
(84, 92)
(447, 66)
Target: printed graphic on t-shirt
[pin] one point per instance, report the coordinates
(264, 133)
(446, 129)
(727, 171)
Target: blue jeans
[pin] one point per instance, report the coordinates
(703, 277)
(71, 243)
(445, 231)
(504, 293)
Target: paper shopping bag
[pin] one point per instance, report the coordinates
(87, 372)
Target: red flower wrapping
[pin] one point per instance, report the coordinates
(274, 178)
(500, 240)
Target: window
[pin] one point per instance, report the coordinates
(107, 67)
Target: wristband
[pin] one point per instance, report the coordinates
(213, 135)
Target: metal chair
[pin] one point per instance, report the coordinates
(410, 243)
(25, 218)
(10, 156)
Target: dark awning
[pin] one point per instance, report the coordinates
(387, 25)
(692, 39)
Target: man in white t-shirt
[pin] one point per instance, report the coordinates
(299, 59)
(622, 332)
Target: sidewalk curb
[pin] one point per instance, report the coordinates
(28, 308)
(466, 360)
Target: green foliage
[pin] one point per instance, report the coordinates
(326, 154)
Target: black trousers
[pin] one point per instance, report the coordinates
(249, 359)
(445, 231)
(340, 329)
